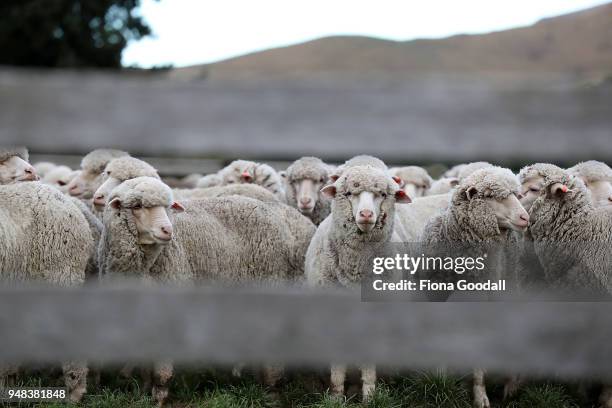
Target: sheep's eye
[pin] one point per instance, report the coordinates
(384, 195)
(347, 194)
(61, 183)
(322, 180)
(535, 190)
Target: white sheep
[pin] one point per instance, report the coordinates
(228, 240)
(59, 177)
(361, 221)
(442, 186)
(14, 166)
(45, 238)
(90, 178)
(209, 180)
(482, 220)
(304, 179)
(414, 180)
(42, 168)
(597, 177)
(245, 171)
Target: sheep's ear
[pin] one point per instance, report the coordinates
(402, 198)
(178, 207)
(558, 190)
(454, 181)
(471, 192)
(334, 177)
(329, 191)
(397, 180)
(115, 203)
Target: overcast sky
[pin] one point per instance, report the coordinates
(189, 32)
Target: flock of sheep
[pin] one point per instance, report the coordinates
(115, 217)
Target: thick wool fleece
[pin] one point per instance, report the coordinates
(247, 190)
(8, 152)
(592, 170)
(336, 252)
(95, 162)
(210, 180)
(127, 168)
(572, 239)
(44, 237)
(469, 227)
(311, 168)
(230, 239)
(92, 272)
(442, 186)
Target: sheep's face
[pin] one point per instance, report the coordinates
(306, 192)
(601, 193)
(509, 212)
(152, 223)
(15, 169)
(239, 172)
(84, 184)
(415, 188)
(102, 193)
(530, 190)
(370, 194)
(60, 178)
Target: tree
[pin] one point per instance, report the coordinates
(68, 33)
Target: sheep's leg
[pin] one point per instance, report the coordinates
(605, 398)
(162, 373)
(338, 375)
(480, 392)
(146, 376)
(237, 370)
(75, 378)
(8, 375)
(511, 386)
(368, 380)
(273, 373)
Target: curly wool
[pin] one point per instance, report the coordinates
(44, 237)
(247, 190)
(537, 170)
(127, 168)
(228, 239)
(8, 152)
(95, 161)
(336, 254)
(473, 220)
(143, 191)
(314, 169)
(572, 238)
(591, 171)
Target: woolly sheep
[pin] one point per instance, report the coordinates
(247, 190)
(361, 220)
(245, 171)
(14, 166)
(483, 217)
(453, 172)
(414, 217)
(414, 180)
(571, 237)
(116, 172)
(442, 186)
(597, 177)
(230, 240)
(45, 238)
(87, 182)
(304, 179)
(59, 177)
(360, 160)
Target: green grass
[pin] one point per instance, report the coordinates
(542, 396)
(212, 388)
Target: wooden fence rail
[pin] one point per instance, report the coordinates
(305, 328)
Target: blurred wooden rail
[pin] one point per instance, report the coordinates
(225, 326)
